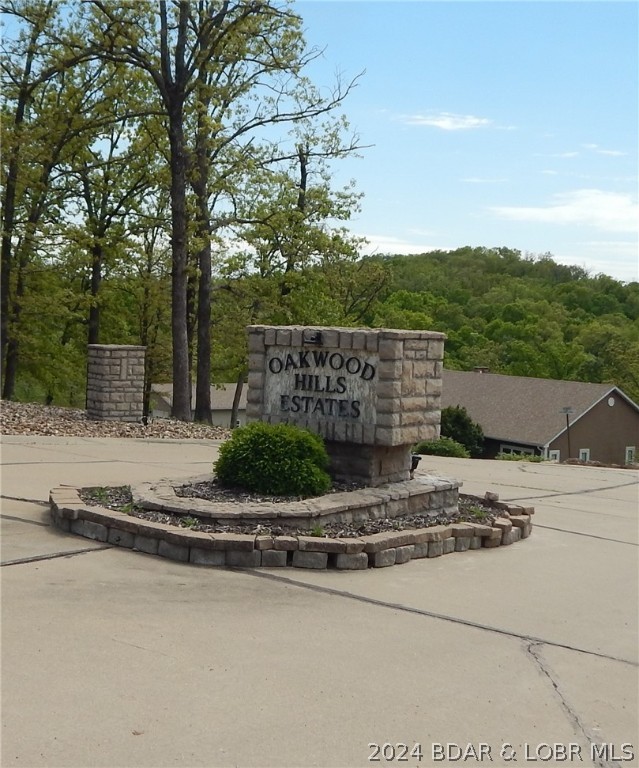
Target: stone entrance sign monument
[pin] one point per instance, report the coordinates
(371, 393)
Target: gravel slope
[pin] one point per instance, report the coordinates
(36, 419)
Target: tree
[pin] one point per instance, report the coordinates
(47, 115)
(457, 425)
(193, 52)
(109, 174)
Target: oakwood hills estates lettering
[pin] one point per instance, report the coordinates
(321, 383)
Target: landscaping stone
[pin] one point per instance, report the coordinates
(91, 530)
(475, 542)
(355, 562)
(318, 560)
(236, 542)
(503, 524)
(404, 554)
(146, 544)
(510, 537)
(121, 538)
(173, 551)
(435, 548)
(353, 546)
(421, 550)
(264, 542)
(272, 558)
(384, 558)
(387, 540)
(207, 556)
(449, 545)
(320, 544)
(285, 543)
(462, 543)
(244, 558)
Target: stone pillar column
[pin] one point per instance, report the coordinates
(115, 382)
(371, 393)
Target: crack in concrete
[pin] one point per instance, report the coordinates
(587, 535)
(573, 493)
(257, 573)
(54, 555)
(573, 717)
(24, 520)
(28, 501)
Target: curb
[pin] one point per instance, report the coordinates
(378, 550)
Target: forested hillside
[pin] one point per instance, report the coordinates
(519, 315)
(527, 316)
(167, 180)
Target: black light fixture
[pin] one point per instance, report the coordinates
(311, 337)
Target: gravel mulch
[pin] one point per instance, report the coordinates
(47, 420)
(470, 509)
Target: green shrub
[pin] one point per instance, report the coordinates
(519, 457)
(278, 459)
(442, 447)
(457, 424)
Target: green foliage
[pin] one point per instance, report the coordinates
(478, 513)
(278, 459)
(518, 315)
(442, 447)
(457, 424)
(519, 457)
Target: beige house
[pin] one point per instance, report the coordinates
(221, 403)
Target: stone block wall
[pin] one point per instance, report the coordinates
(115, 382)
(370, 393)
(390, 388)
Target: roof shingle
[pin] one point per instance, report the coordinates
(519, 408)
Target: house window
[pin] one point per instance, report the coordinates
(630, 454)
(584, 454)
(554, 455)
(516, 450)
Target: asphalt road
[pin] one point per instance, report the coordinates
(523, 655)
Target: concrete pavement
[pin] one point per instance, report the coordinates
(114, 658)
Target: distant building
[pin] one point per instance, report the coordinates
(221, 403)
(522, 415)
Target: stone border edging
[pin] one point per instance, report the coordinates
(427, 492)
(378, 550)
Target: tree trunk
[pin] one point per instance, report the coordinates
(9, 207)
(13, 344)
(181, 379)
(203, 378)
(94, 307)
(191, 306)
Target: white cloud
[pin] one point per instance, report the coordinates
(600, 151)
(421, 232)
(448, 121)
(391, 244)
(608, 211)
(617, 258)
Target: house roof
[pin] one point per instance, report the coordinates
(221, 396)
(520, 409)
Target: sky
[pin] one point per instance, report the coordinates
(505, 123)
